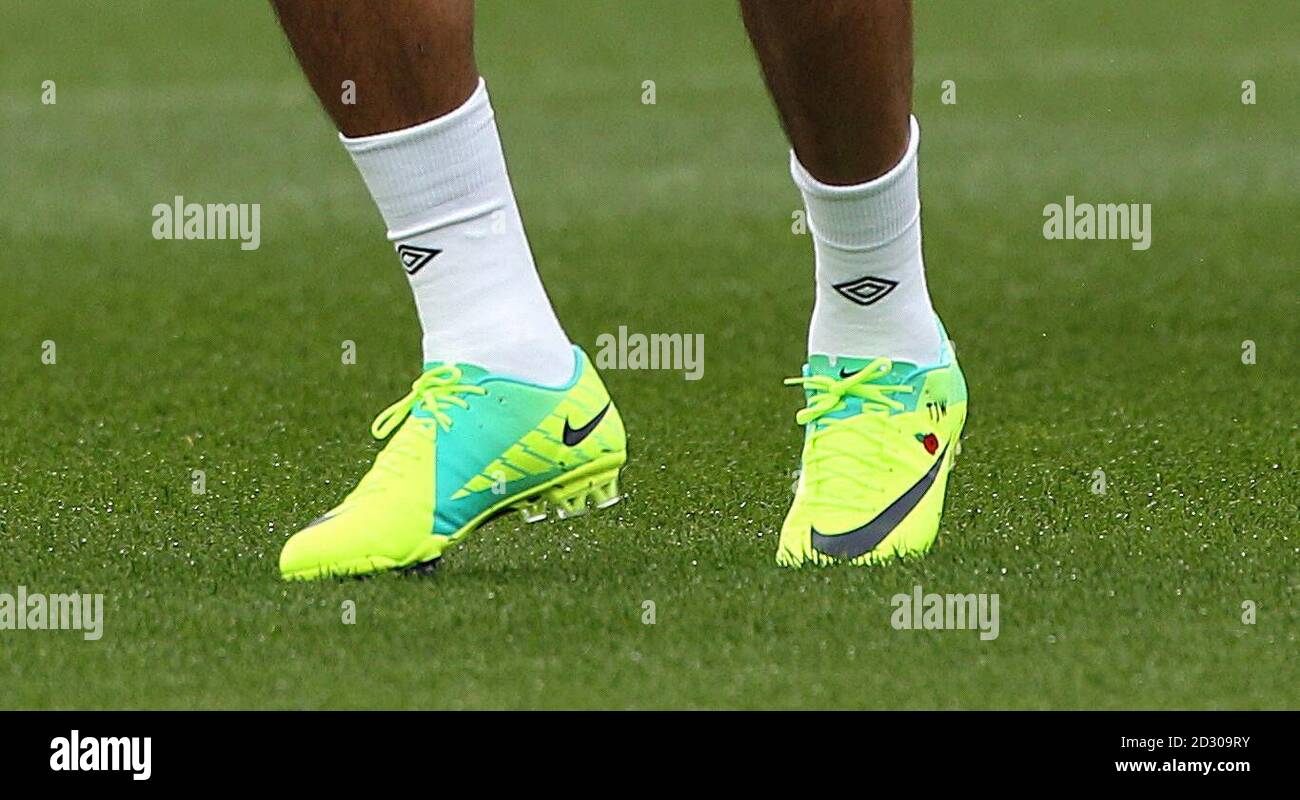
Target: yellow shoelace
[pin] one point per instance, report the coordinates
(837, 460)
(434, 388)
(829, 392)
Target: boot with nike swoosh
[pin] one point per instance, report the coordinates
(467, 446)
(880, 437)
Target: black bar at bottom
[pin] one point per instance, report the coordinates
(332, 750)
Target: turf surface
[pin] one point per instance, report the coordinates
(673, 217)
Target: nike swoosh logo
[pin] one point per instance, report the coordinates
(863, 540)
(573, 436)
(844, 374)
(322, 518)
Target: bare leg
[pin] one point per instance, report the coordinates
(840, 72)
(422, 131)
(411, 60)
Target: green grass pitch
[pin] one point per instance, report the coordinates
(671, 217)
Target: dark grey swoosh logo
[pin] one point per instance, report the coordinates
(574, 435)
(320, 519)
(864, 539)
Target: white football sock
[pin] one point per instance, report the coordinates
(871, 295)
(445, 196)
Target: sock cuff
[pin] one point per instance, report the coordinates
(864, 215)
(452, 164)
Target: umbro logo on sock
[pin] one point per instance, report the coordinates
(413, 258)
(866, 290)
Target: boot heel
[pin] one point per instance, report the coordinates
(570, 498)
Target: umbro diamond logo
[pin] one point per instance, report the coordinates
(867, 290)
(413, 258)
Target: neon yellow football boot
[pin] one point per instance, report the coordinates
(880, 437)
(467, 446)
